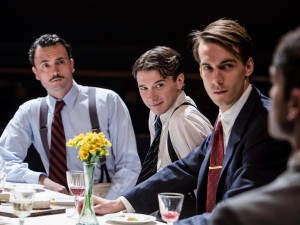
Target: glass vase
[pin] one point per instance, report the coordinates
(87, 215)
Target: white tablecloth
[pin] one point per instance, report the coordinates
(54, 219)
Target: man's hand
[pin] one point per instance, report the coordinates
(103, 206)
(53, 186)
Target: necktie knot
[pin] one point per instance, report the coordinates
(59, 105)
(157, 124)
(219, 128)
(149, 166)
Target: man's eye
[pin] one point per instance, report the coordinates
(142, 88)
(227, 66)
(206, 68)
(159, 85)
(45, 65)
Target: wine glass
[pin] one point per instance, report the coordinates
(23, 202)
(170, 205)
(76, 186)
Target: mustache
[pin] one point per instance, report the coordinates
(57, 76)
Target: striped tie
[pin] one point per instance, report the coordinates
(149, 166)
(58, 164)
(215, 166)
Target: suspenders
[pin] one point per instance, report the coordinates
(94, 123)
(171, 149)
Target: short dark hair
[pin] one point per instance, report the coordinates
(286, 59)
(165, 60)
(47, 40)
(227, 33)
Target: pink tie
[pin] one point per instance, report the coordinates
(215, 166)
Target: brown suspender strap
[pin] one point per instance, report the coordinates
(43, 126)
(94, 123)
(93, 110)
(96, 128)
(171, 149)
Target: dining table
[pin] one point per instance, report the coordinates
(61, 206)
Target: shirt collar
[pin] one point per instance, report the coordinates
(229, 116)
(69, 98)
(166, 116)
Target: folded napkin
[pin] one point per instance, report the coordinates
(4, 197)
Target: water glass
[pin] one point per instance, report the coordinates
(170, 205)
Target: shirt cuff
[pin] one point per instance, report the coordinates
(127, 205)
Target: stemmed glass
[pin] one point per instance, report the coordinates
(170, 205)
(76, 186)
(23, 202)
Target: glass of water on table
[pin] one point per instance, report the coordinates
(170, 205)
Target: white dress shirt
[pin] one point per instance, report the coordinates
(229, 116)
(187, 127)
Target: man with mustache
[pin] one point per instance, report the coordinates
(53, 65)
(251, 158)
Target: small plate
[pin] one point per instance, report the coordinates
(62, 201)
(9, 186)
(129, 218)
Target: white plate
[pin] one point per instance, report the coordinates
(62, 201)
(10, 186)
(124, 218)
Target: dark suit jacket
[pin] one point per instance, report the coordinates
(273, 204)
(252, 159)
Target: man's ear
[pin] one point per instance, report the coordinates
(72, 64)
(35, 73)
(249, 67)
(294, 104)
(200, 72)
(180, 81)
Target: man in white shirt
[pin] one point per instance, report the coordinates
(159, 73)
(160, 78)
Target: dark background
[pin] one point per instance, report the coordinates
(107, 36)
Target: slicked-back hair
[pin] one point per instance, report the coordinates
(47, 40)
(227, 33)
(165, 60)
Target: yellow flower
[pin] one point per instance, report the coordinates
(92, 146)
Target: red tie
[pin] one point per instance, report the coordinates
(58, 164)
(215, 166)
